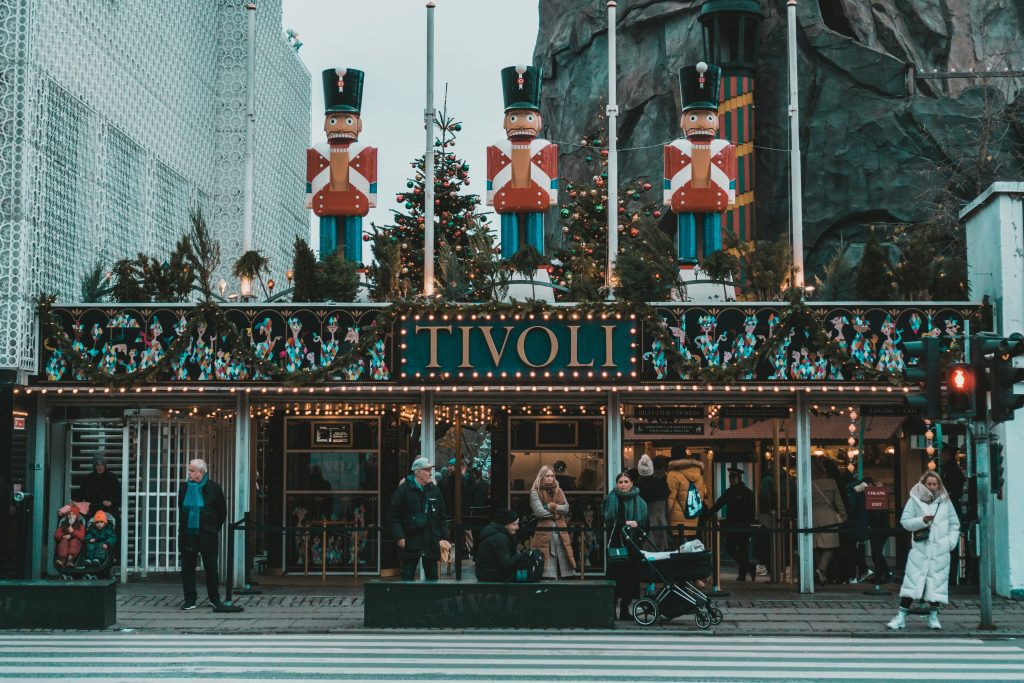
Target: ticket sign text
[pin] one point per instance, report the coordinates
(526, 349)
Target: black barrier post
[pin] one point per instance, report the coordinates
(247, 589)
(716, 557)
(229, 584)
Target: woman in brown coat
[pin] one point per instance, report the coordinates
(827, 509)
(549, 506)
(687, 492)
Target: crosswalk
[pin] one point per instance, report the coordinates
(499, 656)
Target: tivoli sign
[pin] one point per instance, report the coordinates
(572, 347)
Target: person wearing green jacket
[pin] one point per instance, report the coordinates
(624, 512)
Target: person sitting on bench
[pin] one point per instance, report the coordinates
(496, 558)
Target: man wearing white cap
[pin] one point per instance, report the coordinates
(416, 519)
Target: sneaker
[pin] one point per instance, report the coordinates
(187, 606)
(898, 622)
(933, 622)
(866, 575)
(761, 570)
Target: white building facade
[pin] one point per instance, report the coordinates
(116, 119)
(995, 258)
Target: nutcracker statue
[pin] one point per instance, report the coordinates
(522, 171)
(700, 169)
(341, 174)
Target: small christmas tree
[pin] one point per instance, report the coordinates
(874, 275)
(460, 232)
(580, 263)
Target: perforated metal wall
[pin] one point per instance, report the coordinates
(115, 119)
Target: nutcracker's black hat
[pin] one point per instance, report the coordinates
(343, 91)
(699, 86)
(521, 87)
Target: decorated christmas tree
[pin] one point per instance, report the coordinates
(580, 263)
(467, 266)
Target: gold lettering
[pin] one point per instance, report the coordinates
(574, 332)
(496, 353)
(608, 361)
(521, 346)
(465, 347)
(432, 330)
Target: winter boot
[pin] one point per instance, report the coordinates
(899, 621)
(933, 620)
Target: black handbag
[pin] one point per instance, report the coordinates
(922, 534)
(616, 553)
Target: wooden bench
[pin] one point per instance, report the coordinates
(58, 604)
(446, 604)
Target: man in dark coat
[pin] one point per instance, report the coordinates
(202, 511)
(101, 489)
(416, 519)
(740, 513)
(497, 558)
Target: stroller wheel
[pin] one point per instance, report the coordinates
(702, 618)
(645, 612)
(716, 616)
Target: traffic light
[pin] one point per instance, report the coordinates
(960, 387)
(1003, 376)
(995, 465)
(925, 372)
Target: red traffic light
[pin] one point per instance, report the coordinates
(960, 390)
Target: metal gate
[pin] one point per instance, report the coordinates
(158, 452)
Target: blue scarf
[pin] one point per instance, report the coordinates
(194, 502)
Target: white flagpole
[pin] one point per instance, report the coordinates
(428, 163)
(612, 206)
(795, 190)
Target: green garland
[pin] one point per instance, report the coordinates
(797, 314)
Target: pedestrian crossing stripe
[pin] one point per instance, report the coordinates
(497, 656)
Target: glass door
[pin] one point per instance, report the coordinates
(332, 473)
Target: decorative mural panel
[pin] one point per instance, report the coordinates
(123, 340)
(870, 340)
(615, 344)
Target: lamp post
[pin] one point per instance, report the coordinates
(428, 163)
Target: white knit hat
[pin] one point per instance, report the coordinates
(645, 466)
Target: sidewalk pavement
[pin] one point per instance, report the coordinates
(757, 609)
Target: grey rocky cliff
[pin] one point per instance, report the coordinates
(873, 153)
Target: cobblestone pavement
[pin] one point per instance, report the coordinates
(153, 606)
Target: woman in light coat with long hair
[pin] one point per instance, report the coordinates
(549, 505)
(930, 517)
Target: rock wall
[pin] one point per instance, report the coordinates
(873, 152)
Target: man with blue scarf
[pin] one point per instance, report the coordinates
(202, 510)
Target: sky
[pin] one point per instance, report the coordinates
(473, 41)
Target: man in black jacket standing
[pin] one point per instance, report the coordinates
(202, 510)
(496, 558)
(740, 513)
(416, 519)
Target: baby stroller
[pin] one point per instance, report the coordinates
(81, 570)
(674, 571)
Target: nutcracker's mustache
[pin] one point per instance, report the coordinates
(338, 137)
(522, 133)
(700, 133)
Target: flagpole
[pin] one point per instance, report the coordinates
(612, 205)
(795, 187)
(428, 163)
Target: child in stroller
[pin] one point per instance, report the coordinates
(99, 540)
(90, 551)
(70, 535)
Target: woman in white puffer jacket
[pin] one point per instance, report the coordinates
(931, 518)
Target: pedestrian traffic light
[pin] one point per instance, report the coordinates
(996, 474)
(926, 373)
(960, 387)
(1003, 376)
